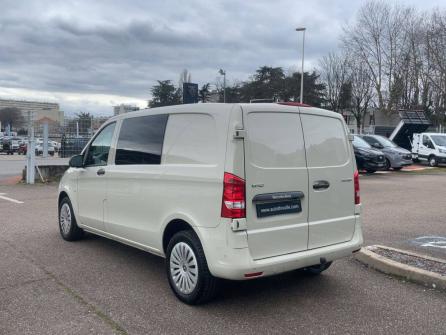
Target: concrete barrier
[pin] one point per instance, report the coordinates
(47, 172)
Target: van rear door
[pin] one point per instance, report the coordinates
(330, 171)
(276, 181)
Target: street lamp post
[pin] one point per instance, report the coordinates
(223, 73)
(302, 29)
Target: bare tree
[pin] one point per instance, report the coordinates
(377, 39)
(361, 92)
(11, 116)
(185, 77)
(334, 75)
(204, 93)
(436, 46)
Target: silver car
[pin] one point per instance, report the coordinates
(396, 157)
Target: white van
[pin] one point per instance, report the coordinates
(430, 147)
(234, 191)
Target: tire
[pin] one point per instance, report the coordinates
(388, 165)
(371, 171)
(316, 270)
(398, 168)
(69, 230)
(185, 246)
(432, 161)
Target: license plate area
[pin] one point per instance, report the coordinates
(281, 203)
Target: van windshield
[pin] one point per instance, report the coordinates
(439, 140)
(358, 142)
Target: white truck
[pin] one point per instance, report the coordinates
(430, 147)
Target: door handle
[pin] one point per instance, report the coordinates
(100, 172)
(321, 185)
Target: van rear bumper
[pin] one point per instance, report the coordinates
(235, 263)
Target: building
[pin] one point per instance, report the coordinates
(374, 122)
(124, 108)
(46, 111)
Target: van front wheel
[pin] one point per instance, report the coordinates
(69, 230)
(187, 269)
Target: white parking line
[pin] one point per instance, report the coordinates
(10, 199)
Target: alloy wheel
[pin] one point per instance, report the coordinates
(183, 268)
(65, 218)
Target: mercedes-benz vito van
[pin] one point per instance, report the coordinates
(234, 191)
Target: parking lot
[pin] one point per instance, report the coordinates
(49, 286)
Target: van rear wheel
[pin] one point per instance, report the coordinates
(433, 161)
(316, 269)
(187, 269)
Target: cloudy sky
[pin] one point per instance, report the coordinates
(91, 55)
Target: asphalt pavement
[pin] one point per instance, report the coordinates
(97, 286)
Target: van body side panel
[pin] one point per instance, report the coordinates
(187, 183)
(276, 181)
(330, 171)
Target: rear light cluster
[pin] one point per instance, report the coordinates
(233, 201)
(356, 180)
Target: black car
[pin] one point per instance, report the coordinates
(368, 158)
(6, 146)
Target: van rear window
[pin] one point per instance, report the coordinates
(276, 140)
(141, 140)
(325, 141)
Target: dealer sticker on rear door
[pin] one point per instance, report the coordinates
(278, 208)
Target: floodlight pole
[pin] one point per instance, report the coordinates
(302, 29)
(30, 153)
(223, 73)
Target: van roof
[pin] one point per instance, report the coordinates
(224, 107)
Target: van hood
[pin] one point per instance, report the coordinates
(369, 151)
(397, 150)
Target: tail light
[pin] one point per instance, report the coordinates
(233, 201)
(356, 181)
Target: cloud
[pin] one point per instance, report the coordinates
(86, 50)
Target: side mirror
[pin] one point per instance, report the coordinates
(76, 161)
(377, 146)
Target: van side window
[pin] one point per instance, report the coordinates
(97, 153)
(427, 142)
(141, 140)
(190, 139)
(325, 141)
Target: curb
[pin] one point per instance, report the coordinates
(410, 273)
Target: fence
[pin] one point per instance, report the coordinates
(64, 140)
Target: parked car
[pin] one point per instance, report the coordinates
(22, 149)
(7, 146)
(39, 149)
(429, 147)
(396, 157)
(367, 158)
(221, 191)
